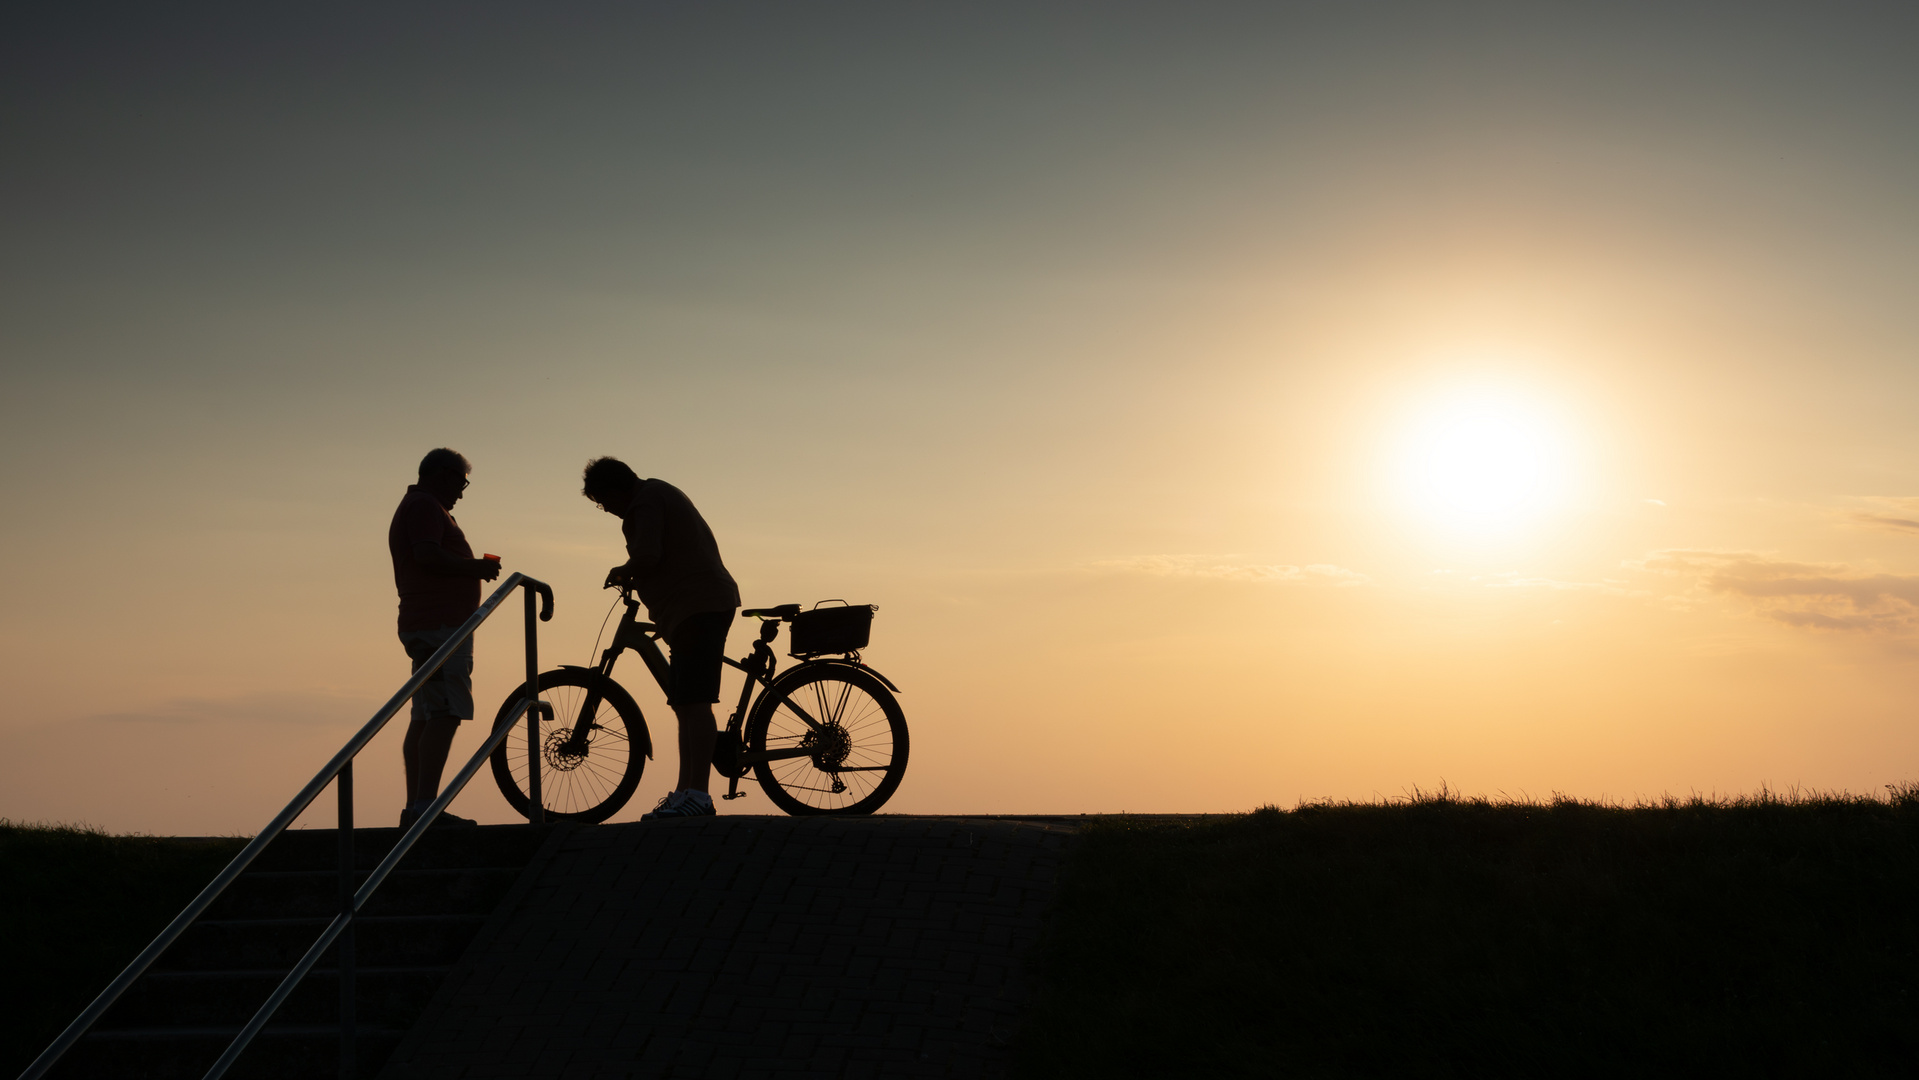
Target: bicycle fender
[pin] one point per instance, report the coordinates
(862, 667)
(882, 678)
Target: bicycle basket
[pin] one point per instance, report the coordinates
(831, 630)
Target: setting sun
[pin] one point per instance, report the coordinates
(1480, 461)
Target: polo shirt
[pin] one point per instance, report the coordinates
(427, 600)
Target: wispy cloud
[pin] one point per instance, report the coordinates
(1512, 580)
(1817, 596)
(1897, 513)
(1231, 568)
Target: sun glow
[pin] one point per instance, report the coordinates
(1481, 462)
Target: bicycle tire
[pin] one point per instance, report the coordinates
(583, 789)
(865, 737)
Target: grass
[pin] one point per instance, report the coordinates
(1440, 936)
(76, 905)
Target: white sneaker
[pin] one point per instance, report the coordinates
(682, 804)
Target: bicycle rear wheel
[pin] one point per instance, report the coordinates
(855, 750)
(586, 787)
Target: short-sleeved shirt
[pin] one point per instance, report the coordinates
(428, 600)
(676, 561)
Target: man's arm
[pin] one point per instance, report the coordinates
(644, 527)
(434, 560)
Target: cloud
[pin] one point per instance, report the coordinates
(1815, 596)
(1895, 513)
(1229, 568)
(1512, 580)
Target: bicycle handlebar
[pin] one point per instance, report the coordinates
(546, 598)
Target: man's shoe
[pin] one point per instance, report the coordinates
(682, 804)
(446, 820)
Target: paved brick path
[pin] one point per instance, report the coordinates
(752, 947)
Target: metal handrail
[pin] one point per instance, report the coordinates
(341, 766)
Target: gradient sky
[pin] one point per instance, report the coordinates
(1090, 342)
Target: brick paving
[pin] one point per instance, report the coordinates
(751, 947)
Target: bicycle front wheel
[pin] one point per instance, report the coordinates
(585, 784)
(840, 738)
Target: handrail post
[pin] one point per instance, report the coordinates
(537, 811)
(346, 959)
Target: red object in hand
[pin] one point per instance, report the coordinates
(490, 555)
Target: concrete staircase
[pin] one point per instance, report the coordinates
(178, 1018)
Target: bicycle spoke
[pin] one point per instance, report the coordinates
(590, 784)
(847, 736)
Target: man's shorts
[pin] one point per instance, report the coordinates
(449, 692)
(694, 652)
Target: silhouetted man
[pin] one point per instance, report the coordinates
(439, 583)
(674, 564)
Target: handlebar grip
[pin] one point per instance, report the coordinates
(546, 601)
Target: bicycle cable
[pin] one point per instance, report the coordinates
(602, 631)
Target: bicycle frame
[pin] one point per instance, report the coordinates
(759, 667)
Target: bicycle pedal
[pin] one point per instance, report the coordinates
(735, 795)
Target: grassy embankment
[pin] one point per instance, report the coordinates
(1446, 937)
(75, 906)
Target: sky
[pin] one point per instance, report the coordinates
(1223, 404)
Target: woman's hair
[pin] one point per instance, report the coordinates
(604, 476)
(444, 460)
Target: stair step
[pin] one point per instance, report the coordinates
(381, 941)
(481, 845)
(363, 921)
(315, 973)
(228, 1031)
(279, 1052)
(282, 893)
(384, 996)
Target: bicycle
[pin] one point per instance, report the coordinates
(826, 736)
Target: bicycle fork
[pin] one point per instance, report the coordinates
(628, 636)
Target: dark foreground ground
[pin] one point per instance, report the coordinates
(1450, 937)
(1456, 938)
(76, 905)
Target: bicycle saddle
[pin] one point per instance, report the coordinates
(784, 611)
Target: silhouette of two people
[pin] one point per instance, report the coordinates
(673, 564)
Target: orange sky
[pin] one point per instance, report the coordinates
(1096, 352)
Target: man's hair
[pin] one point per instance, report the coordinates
(604, 476)
(444, 460)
